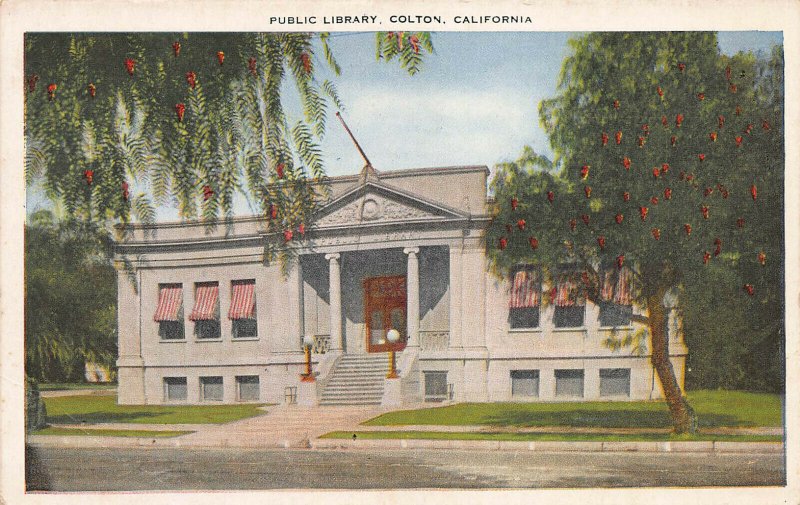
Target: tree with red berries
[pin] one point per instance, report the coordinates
(693, 177)
(118, 124)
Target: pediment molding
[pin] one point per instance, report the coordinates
(376, 203)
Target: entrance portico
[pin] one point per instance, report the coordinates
(351, 299)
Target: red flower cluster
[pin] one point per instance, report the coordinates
(180, 109)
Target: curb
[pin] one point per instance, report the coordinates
(553, 446)
(720, 447)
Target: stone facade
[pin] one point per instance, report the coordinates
(423, 230)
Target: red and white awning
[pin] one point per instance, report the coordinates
(206, 298)
(525, 292)
(568, 292)
(242, 300)
(170, 300)
(616, 287)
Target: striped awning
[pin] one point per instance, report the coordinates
(170, 302)
(206, 306)
(568, 292)
(525, 292)
(616, 286)
(243, 301)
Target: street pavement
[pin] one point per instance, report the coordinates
(139, 469)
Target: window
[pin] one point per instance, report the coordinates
(247, 388)
(570, 301)
(211, 389)
(174, 389)
(616, 307)
(205, 313)
(569, 383)
(615, 382)
(568, 317)
(525, 383)
(435, 386)
(614, 314)
(523, 304)
(243, 309)
(169, 312)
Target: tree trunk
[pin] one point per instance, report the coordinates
(683, 417)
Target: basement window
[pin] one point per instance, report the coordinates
(435, 386)
(569, 383)
(615, 382)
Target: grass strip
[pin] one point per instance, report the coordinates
(71, 386)
(95, 409)
(110, 433)
(548, 437)
(713, 408)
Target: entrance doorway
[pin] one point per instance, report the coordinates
(385, 309)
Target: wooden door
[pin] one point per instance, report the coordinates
(385, 308)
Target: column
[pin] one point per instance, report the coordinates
(412, 296)
(335, 290)
(455, 296)
(130, 374)
(294, 309)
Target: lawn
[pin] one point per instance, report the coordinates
(549, 437)
(70, 386)
(714, 409)
(110, 433)
(104, 409)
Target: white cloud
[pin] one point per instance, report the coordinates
(401, 128)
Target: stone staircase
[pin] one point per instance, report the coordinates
(357, 379)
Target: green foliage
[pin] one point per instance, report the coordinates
(729, 141)
(70, 299)
(117, 124)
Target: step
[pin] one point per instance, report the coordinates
(344, 390)
(359, 373)
(377, 402)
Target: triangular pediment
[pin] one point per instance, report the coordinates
(376, 203)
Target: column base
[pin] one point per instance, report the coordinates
(392, 393)
(307, 394)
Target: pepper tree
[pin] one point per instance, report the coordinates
(119, 124)
(668, 156)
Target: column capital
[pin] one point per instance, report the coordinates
(411, 250)
(332, 256)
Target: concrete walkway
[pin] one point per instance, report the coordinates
(282, 426)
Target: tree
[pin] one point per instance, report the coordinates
(668, 157)
(117, 124)
(70, 299)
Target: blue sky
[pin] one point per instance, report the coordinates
(474, 103)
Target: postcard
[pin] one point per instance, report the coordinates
(412, 251)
